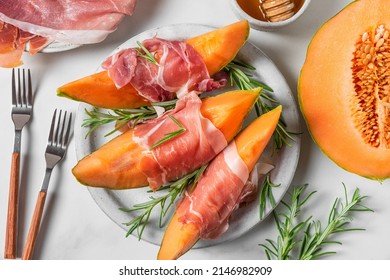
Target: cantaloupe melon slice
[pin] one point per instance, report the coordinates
(344, 88)
(217, 48)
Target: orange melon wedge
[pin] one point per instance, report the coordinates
(217, 48)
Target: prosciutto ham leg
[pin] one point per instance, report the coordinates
(205, 212)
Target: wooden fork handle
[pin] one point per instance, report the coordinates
(12, 216)
(34, 227)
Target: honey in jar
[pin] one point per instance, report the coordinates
(270, 10)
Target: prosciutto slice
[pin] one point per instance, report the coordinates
(10, 52)
(36, 23)
(13, 42)
(70, 21)
(180, 69)
(173, 159)
(219, 191)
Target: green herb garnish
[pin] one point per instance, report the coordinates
(97, 117)
(175, 189)
(244, 80)
(338, 220)
(299, 239)
(170, 135)
(266, 196)
(288, 230)
(144, 52)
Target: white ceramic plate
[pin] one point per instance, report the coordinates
(59, 47)
(56, 46)
(246, 217)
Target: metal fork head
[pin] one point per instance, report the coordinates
(21, 98)
(58, 138)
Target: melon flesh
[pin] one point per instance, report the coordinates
(344, 88)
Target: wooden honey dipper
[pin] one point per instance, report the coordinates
(277, 10)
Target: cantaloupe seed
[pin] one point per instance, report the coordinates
(370, 103)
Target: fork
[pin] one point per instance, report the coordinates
(21, 115)
(55, 151)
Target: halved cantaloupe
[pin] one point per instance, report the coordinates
(217, 48)
(115, 165)
(344, 88)
(250, 143)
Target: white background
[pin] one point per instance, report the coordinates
(74, 227)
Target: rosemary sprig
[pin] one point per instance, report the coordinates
(144, 52)
(244, 80)
(175, 189)
(170, 135)
(339, 218)
(311, 244)
(288, 231)
(97, 117)
(266, 195)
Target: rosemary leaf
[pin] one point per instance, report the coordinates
(170, 135)
(266, 196)
(242, 64)
(98, 118)
(146, 54)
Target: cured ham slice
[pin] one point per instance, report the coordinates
(76, 22)
(200, 143)
(13, 42)
(8, 35)
(37, 43)
(180, 69)
(218, 193)
(37, 23)
(10, 51)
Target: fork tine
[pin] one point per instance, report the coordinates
(57, 129)
(14, 101)
(51, 133)
(66, 138)
(19, 99)
(29, 94)
(24, 93)
(61, 139)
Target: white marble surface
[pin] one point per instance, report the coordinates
(74, 227)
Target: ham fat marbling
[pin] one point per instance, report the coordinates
(218, 193)
(199, 144)
(180, 69)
